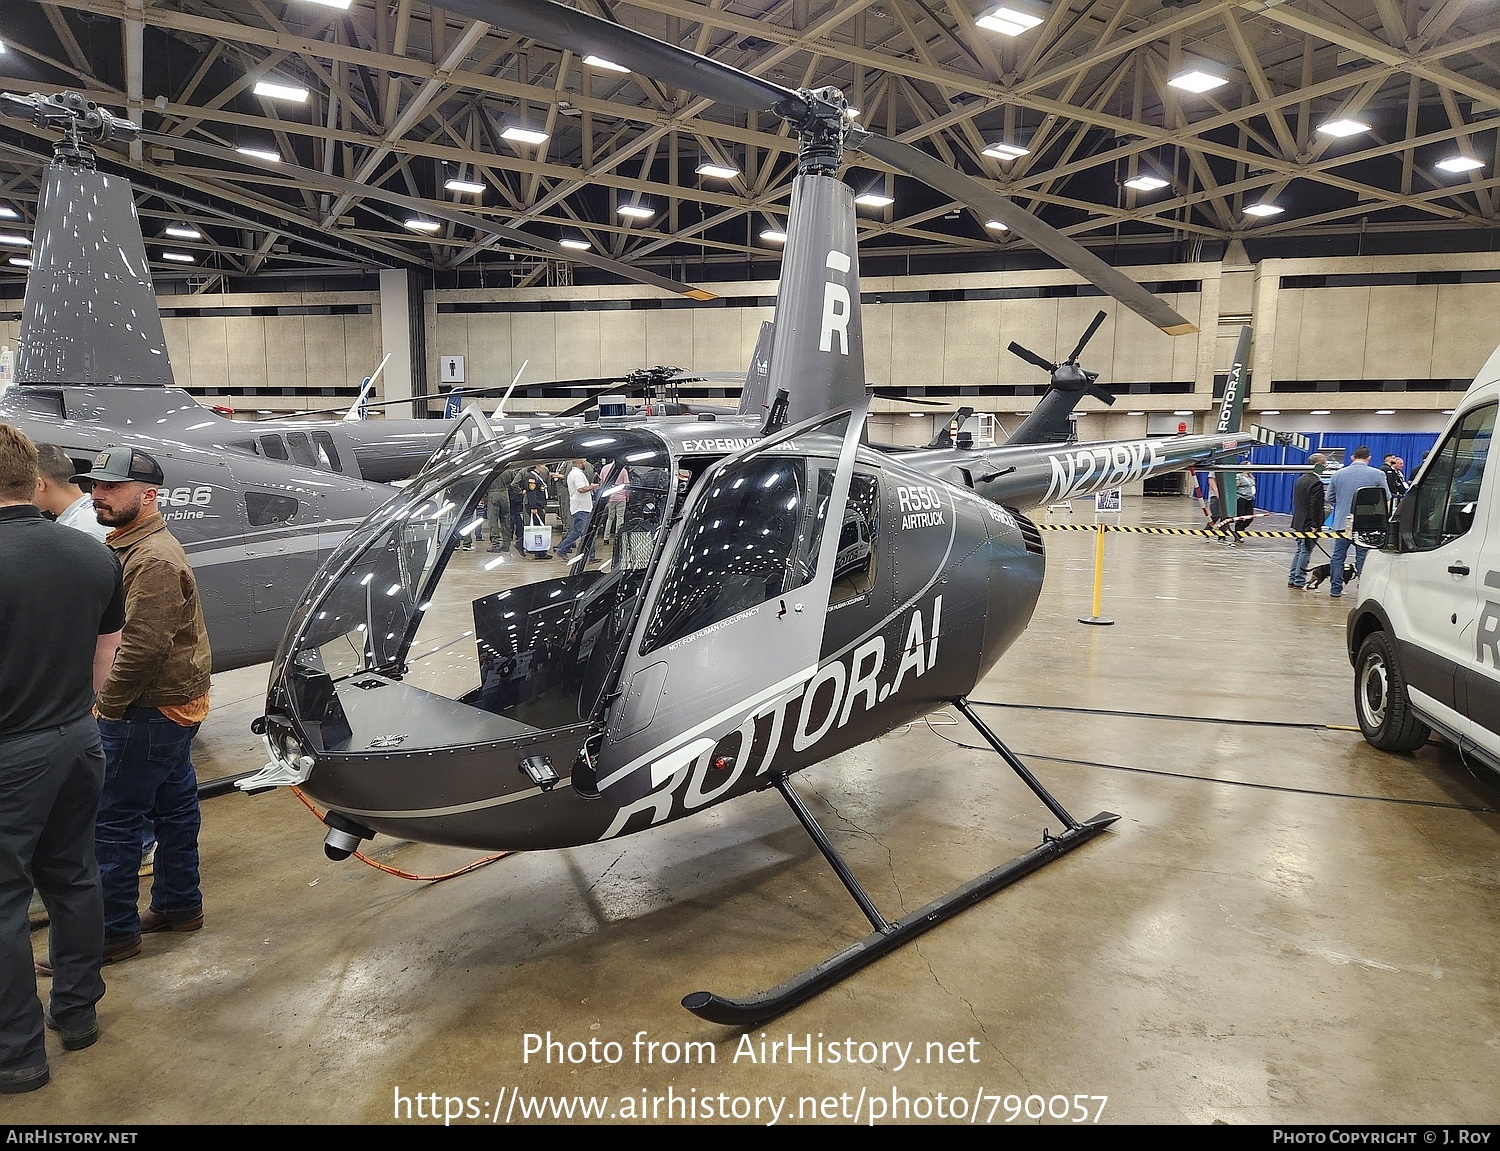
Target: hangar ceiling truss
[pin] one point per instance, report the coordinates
(404, 96)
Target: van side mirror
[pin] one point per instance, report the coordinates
(1372, 517)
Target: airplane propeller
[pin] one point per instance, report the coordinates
(1067, 376)
(820, 120)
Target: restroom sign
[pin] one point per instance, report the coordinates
(451, 369)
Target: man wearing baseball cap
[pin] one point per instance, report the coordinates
(149, 709)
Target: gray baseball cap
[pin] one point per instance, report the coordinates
(118, 464)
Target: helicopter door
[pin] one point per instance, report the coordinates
(735, 613)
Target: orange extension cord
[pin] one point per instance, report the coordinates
(396, 871)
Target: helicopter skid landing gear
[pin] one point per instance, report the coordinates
(887, 937)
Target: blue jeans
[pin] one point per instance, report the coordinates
(1300, 559)
(148, 780)
(575, 533)
(1340, 558)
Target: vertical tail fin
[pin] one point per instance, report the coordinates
(817, 352)
(1237, 386)
(1231, 414)
(757, 391)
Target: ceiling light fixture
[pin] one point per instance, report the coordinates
(773, 236)
(1271, 412)
(340, 4)
(183, 232)
(635, 211)
(1199, 77)
(874, 200)
(519, 135)
(1003, 151)
(275, 90)
(605, 65)
(1320, 412)
(1460, 164)
(19, 262)
(1012, 17)
(1146, 183)
(1385, 411)
(473, 187)
(996, 226)
(260, 154)
(576, 244)
(1183, 412)
(9, 213)
(419, 225)
(1344, 127)
(717, 171)
(13, 241)
(178, 257)
(1264, 209)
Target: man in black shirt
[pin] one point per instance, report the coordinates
(1307, 515)
(62, 606)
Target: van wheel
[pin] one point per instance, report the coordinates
(1380, 700)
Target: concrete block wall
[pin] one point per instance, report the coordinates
(1368, 332)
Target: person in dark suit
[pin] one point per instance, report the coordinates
(1308, 512)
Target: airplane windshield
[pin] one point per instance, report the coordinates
(460, 596)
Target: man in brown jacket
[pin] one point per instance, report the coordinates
(149, 709)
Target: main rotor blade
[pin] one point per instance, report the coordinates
(993, 206)
(583, 34)
(1087, 336)
(896, 396)
(1032, 358)
(324, 182)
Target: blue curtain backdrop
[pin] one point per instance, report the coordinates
(1273, 491)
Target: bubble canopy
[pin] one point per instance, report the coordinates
(416, 596)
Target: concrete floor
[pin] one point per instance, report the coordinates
(1286, 926)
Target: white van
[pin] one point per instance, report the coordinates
(1425, 636)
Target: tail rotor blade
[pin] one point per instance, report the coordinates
(1086, 337)
(1032, 358)
(1100, 394)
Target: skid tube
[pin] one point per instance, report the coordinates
(887, 937)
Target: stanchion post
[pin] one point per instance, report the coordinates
(1096, 618)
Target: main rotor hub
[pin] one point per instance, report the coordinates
(82, 122)
(822, 131)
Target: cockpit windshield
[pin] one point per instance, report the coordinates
(487, 594)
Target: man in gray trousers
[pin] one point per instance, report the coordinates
(62, 606)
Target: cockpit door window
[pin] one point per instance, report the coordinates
(736, 609)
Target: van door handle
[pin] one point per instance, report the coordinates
(1458, 569)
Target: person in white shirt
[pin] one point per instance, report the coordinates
(60, 497)
(580, 504)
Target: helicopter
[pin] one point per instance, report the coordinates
(773, 596)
